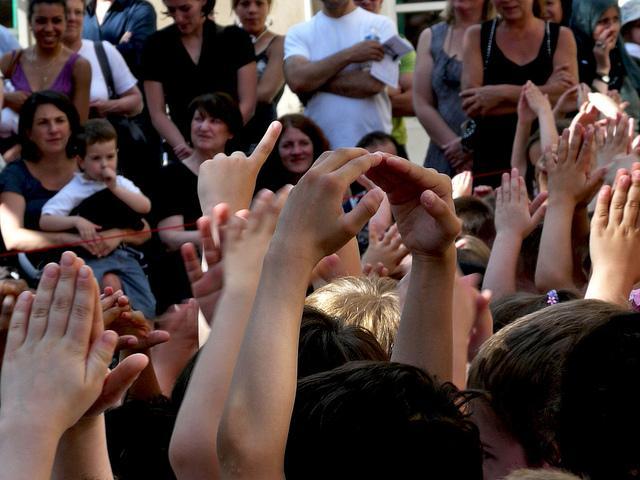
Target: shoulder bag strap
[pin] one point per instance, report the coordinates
(106, 68)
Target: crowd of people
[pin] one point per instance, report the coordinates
(194, 288)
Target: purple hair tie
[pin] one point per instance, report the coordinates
(634, 300)
(552, 297)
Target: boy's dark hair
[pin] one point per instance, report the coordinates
(99, 130)
(221, 106)
(477, 218)
(27, 114)
(511, 307)
(33, 3)
(380, 420)
(520, 369)
(378, 138)
(325, 343)
(598, 429)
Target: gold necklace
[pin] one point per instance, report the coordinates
(43, 68)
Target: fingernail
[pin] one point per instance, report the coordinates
(51, 270)
(67, 259)
(84, 272)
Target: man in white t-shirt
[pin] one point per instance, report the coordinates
(328, 59)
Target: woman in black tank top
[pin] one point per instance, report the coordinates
(498, 60)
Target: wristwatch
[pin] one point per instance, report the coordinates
(603, 78)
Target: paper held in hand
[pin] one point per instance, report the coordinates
(386, 70)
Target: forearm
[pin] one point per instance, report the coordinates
(136, 201)
(548, 129)
(425, 335)
(82, 452)
(57, 223)
(350, 257)
(128, 105)
(354, 84)
(23, 239)
(437, 129)
(519, 150)
(13, 100)
(554, 269)
(610, 285)
(253, 430)
(194, 439)
(500, 276)
(27, 451)
(402, 104)
(307, 77)
(174, 239)
(167, 129)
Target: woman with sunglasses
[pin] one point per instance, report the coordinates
(436, 91)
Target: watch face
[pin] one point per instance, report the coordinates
(606, 78)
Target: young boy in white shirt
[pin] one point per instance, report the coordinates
(110, 201)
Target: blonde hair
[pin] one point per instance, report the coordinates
(542, 474)
(371, 303)
(488, 12)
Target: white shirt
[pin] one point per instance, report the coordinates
(79, 189)
(344, 120)
(123, 79)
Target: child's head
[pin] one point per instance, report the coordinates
(326, 343)
(477, 218)
(520, 368)
(100, 148)
(599, 423)
(371, 303)
(473, 255)
(380, 420)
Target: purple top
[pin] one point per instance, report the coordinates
(62, 84)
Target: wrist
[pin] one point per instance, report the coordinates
(509, 235)
(444, 259)
(609, 284)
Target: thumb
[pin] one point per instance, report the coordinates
(100, 356)
(441, 212)
(364, 210)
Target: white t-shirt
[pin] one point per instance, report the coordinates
(79, 189)
(123, 79)
(344, 120)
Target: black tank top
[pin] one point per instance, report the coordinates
(495, 134)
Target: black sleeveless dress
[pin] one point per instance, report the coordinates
(494, 134)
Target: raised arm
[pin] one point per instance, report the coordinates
(253, 430)
(515, 219)
(422, 205)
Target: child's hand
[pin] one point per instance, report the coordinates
(526, 113)
(538, 102)
(109, 178)
(246, 241)
(312, 224)
(462, 185)
(615, 237)
(514, 215)
(568, 170)
(386, 250)
(422, 205)
(57, 355)
(87, 230)
(614, 139)
(114, 305)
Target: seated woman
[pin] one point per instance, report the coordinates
(176, 68)
(48, 130)
(215, 119)
(498, 59)
(300, 143)
(269, 49)
(47, 65)
(604, 64)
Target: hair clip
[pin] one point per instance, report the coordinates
(552, 297)
(634, 300)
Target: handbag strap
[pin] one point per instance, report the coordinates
(106, 69)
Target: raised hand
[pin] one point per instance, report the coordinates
(312, 221)
(514, 214)
(421, 203)
(386, 250)
(462, 185)
(615, 236)
(613, 139)
(231, 179)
